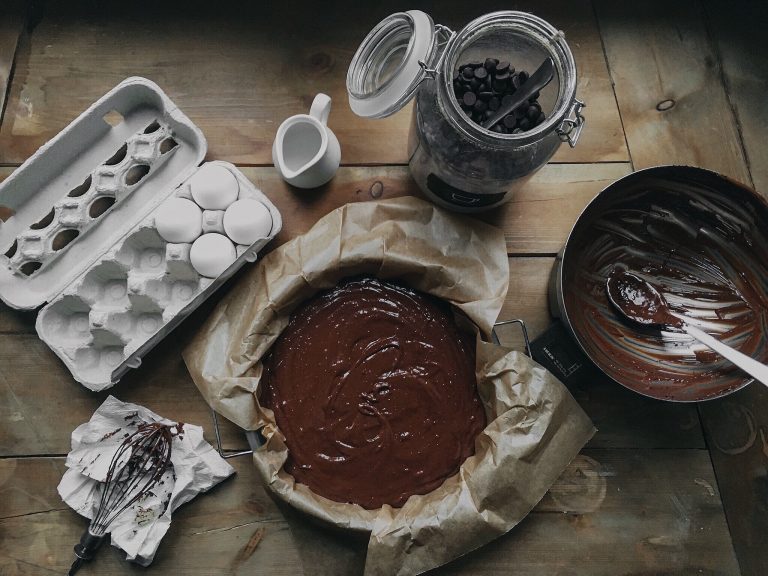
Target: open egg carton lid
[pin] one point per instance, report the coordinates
(89, 185)
(82, 234)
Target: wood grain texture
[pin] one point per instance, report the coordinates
(660, 515)
(660, 51)
(239, 71)
(14, 320)
(40, 402)
(612, 513)
(212, 534)
(737, 433)
(742, 46)
(11, 27)
(737, 426)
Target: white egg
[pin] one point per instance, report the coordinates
(247, 220)
(179, 220)
(211, 254)
(214, 187)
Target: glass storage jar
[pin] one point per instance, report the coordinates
(455, 161)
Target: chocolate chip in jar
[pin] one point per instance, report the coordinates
(483, 87)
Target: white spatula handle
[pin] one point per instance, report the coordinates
(757, 370)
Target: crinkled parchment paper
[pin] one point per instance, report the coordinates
(195, 467)
(535, 426)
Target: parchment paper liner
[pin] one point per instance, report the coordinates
(535, 426)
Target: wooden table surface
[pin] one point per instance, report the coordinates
(661, 489)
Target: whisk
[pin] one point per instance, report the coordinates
(136, 467)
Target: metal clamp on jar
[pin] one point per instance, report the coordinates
(457, 162)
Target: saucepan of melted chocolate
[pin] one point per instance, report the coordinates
(702, 241)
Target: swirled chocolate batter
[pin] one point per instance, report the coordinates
(704, 245)
(373, 386)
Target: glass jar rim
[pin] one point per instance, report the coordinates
(398, 88)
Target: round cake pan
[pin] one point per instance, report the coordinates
(702, 238)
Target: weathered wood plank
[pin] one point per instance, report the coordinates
(659, 53)
(11, 27)
(209, 535)
(626, 513)
(612, 512)
(740, 39)
(250, 66)
(40, 402)
(737, 426)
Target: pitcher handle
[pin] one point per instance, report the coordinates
(321, 108)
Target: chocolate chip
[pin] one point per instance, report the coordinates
(483, 88)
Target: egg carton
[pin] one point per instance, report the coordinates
(106, 320)
(117, 287)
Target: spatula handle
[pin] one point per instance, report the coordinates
(756, 369)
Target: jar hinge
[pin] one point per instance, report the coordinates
(443, 34)
(571, 127)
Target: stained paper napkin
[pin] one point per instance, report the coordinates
(195, 468)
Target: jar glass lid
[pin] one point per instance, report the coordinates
(388, 66)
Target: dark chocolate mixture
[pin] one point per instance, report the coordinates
(373, 386)
(706, 251)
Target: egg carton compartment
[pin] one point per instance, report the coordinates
(84, 189)
(134, 295)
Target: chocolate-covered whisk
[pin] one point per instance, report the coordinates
(136, 467)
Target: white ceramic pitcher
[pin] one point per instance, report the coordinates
(306, 152)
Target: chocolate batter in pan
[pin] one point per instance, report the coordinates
(373, 386)
(707, 250)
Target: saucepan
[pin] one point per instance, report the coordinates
(699, 237)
